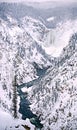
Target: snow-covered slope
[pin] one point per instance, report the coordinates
(59, 37)
(55, 98)
(19, 50)
(7, 122)
(35, 28)
(27, 47)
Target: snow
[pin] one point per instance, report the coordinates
(18, 51)
(59, 37)
(11, 20)
(55, 96)
(50, 19)
(34, 27)
(26, 89)
(7, 122)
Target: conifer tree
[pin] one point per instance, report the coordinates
(15, 97)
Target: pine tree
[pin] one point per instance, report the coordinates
(15, 97)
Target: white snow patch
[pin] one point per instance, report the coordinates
(50, 19)
(25, 89)
(9, 123)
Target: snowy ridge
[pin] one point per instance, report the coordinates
(35, 28)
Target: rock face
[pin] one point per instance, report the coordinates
(54, 98)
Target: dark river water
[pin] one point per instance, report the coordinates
(24, 108)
